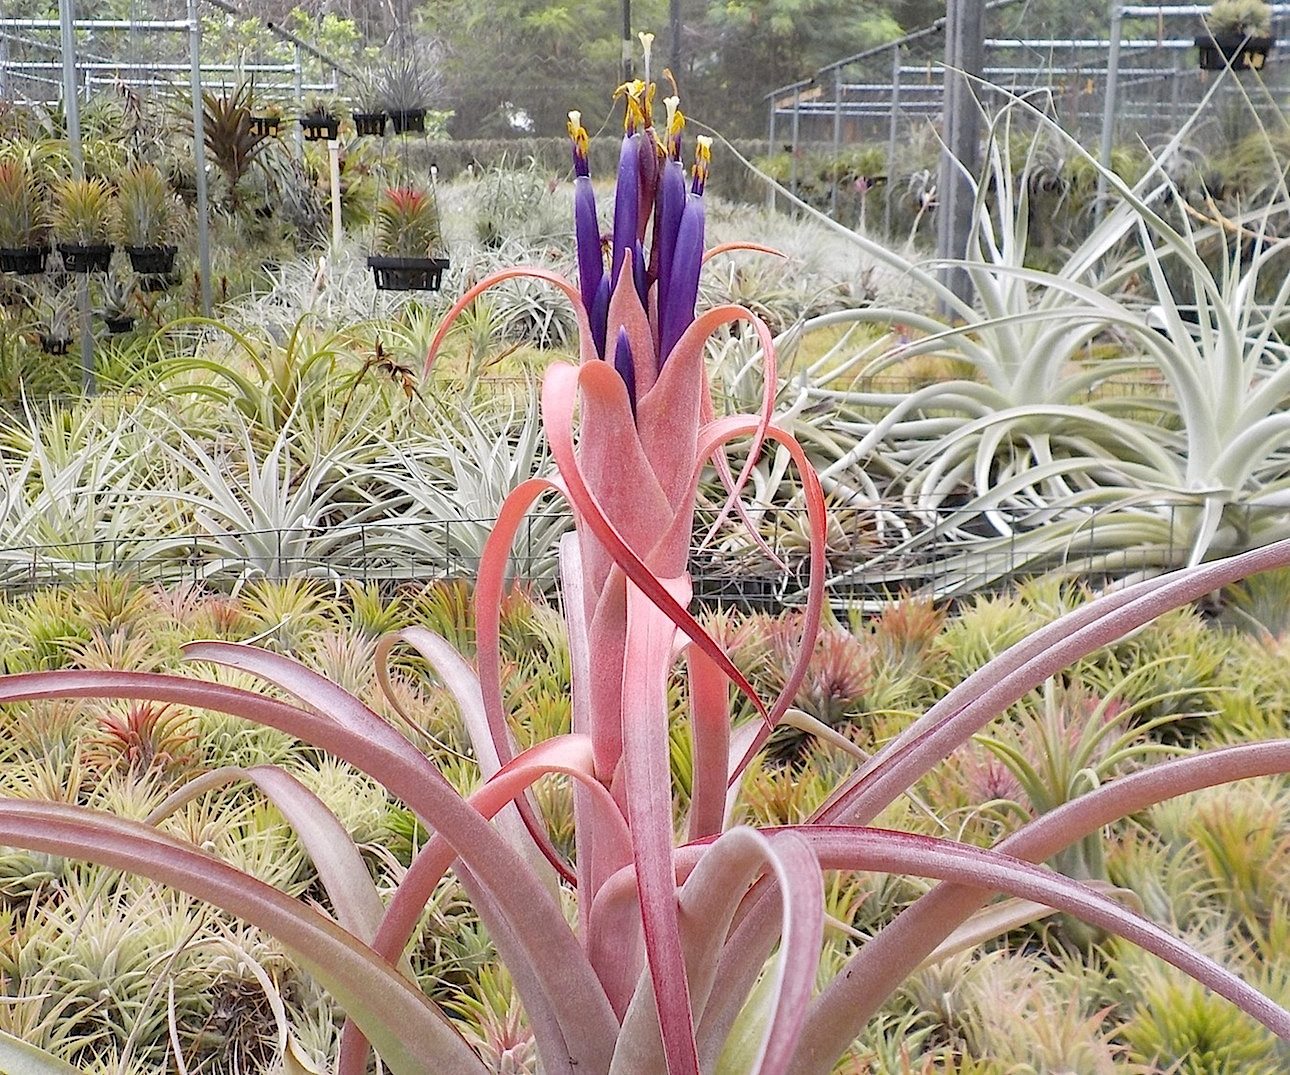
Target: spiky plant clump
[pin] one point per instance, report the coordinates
(407, 223)
(1252, 18)
(84, 211)
(145, 204)
(143, 737)
(23, 221)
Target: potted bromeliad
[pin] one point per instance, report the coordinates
(266, 121)
(145, 219)
(23, 227)
(408, 237)
(320, 121)
(1238, 33)
(369, 105)
(407, 84)
(83, 223)
(118, 308)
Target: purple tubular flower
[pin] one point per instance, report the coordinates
(626, 201)
(591, 262)
(599, 315)
(623, 364)
(649, 153)
(676, 307)
(667, 222)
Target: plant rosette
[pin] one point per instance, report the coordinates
(408, 236)
(23, 222)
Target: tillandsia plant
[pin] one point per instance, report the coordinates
(83, 211)
(22, 217)
(698, 957)
(1250, 18)
(407, 223)
(145, 205)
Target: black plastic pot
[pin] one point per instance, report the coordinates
(266, 126)
(408, 120)
(152, 259)
(55, 345)
(407, 274)
(119, 325)
(319, 128)
(23, 260)
(86, 257)
(370, 124)
(1234, 50)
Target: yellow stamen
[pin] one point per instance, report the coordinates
(578, 133)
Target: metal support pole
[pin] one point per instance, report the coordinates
(960, 154)
(792, 160)
(837, 137)
(627, 40)
(770, 149)
(893, 143)
(1109, 104)
(199, 155)
(72, 108)
(333, 155)
(300, 102)
(674, 18)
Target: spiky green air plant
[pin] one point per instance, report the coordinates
(684, 959)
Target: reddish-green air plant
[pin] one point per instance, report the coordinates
(671, 942)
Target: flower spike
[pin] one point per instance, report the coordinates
(702, 163)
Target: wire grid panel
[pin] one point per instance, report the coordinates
(874, 552)
(889, 100)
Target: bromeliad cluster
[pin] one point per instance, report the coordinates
(698, 957)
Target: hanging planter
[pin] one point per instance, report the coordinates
(319, 122)
(55, 345)
(320, 128)
(84, 222)
(409, 120)
(86, 257)
(152, 259)
(23, 260)
(1235, 50)
(407, 274)
(118, 326)
(1238, 34)
(407, 236)
(369, 124)
(266, 126)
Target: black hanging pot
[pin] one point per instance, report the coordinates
(119, 325)
(86, 257)
(370, 124)
(55, 345)
(407, 274)
(408, 120)
(1233, 49)
(265, 126)
(320, 128)
(23, 260)
(152, 259)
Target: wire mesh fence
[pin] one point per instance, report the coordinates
(874, 552)
(884, 106)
